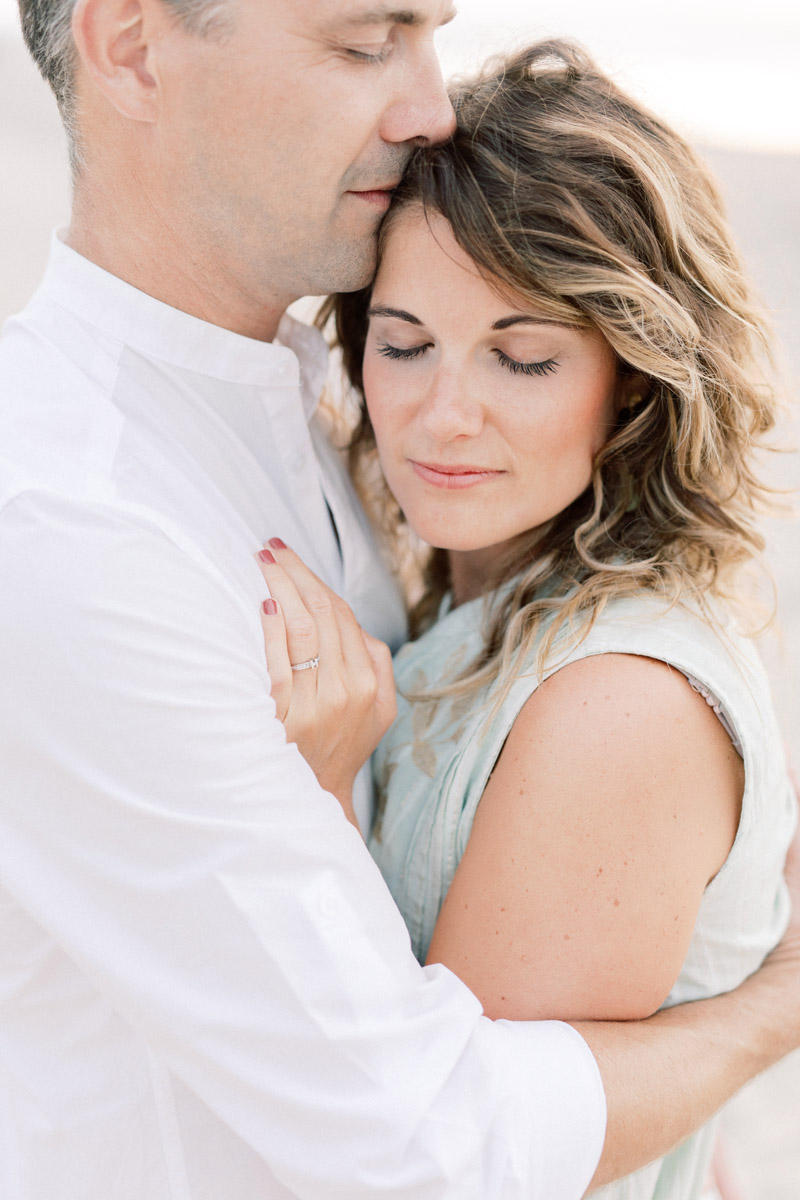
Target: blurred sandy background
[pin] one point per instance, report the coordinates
(732, 82)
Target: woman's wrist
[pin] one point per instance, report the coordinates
(344, 794)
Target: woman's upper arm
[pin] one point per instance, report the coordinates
(615, 800)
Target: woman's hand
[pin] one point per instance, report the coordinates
(337, 706)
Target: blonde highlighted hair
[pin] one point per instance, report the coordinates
(571, 195)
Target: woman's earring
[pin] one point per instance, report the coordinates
(635, 400)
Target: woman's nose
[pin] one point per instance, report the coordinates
(450, 411)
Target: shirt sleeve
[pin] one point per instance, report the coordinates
(157, 825)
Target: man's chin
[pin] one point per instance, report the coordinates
(352, 269)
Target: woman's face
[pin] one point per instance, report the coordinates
(486, 414)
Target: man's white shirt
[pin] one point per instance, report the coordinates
(206, 991)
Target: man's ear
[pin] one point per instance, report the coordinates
(115, 41)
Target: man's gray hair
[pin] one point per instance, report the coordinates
(47, 28)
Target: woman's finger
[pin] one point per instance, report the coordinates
(365, 664)
(358, 666)
(321, 605)
(307, 633)
(307, 583)
(277, 651)
(339, 706)
(386, 692)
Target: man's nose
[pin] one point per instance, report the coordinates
(423, 112)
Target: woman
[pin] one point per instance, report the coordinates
(583, 807)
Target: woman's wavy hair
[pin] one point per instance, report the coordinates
(569, 194)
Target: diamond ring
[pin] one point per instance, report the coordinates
(310, 664)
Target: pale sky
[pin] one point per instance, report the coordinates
(727, 72)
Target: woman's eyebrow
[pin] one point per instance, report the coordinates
(381, 310)
(521, 319)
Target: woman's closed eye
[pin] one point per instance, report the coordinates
(547, 366)
(402, 352)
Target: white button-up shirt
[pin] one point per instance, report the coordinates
(205, 989)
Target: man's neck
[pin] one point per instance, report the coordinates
(151, 255)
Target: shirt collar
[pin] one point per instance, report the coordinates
(297, 358)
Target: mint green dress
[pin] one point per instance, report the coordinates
(433, 765)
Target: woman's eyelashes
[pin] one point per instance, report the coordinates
(547, 366)
(403, 352)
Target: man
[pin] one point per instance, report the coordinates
(206, 991)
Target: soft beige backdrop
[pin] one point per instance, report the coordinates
(763, 191)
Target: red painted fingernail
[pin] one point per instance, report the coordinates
(277, 544)
(266, 556)
(270, 607)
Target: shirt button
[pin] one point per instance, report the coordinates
(298, 462)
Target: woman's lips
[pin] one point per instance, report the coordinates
(453, 477)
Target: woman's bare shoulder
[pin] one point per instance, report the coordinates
(614, 801)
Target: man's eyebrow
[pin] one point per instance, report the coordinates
(388, 15)
(507, 322)
(381, 310)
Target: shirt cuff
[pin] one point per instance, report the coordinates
(566, 1107)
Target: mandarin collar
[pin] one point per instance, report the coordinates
(297, 358)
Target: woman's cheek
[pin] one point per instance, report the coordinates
(385, 402)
